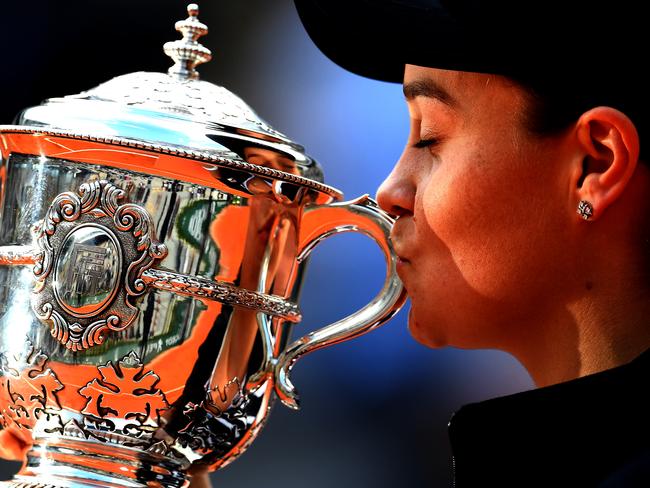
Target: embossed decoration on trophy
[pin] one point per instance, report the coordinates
(83, 295)
(167, 229)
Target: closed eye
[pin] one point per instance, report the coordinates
(426, 142)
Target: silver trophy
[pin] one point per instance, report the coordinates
(153, 236)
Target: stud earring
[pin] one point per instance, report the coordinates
(585, 209)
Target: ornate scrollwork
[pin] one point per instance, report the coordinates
(223, 292)
(123, 405)
(28, 389)
(22, 484)
(85, 241)
(214, 430)
(219, 432)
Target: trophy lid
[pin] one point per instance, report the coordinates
(176, 112)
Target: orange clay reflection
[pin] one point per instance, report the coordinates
(266, 226)
(268, 255)
(266, 222)
(143, 161)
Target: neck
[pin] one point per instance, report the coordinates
(602, 319)
(601, 330)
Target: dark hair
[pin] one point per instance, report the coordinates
(551, 110)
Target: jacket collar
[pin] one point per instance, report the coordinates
(572, 431)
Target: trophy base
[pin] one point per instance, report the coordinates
(64, 463)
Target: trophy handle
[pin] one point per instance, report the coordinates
(320, 222)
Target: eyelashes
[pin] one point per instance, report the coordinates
(427, 133)
(432, 141)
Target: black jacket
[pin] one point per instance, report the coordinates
(590, 432)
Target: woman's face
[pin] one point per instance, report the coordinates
(484, 210)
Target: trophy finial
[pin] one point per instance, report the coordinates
(193, 10)
(187, 53)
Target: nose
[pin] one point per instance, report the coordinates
(396, 195)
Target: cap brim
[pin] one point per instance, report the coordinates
(376, 39)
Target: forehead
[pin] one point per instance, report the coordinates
(462, 91)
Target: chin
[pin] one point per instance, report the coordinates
(425, 332)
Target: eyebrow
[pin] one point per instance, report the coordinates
(430, 89)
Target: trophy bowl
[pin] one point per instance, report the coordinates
(154, 232)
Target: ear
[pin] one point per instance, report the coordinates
(609, 143)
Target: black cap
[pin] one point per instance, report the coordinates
(594, 48)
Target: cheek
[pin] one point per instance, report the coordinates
(492, 218)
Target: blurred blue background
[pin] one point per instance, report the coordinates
(375, 410)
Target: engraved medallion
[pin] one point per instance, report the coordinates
(88, 270)
(94, 249)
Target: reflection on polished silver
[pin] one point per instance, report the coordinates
(88, 270)
(29, 386)
(89, 266)
(187, 53)
(187, 285)
(191, 154)
(159, 360)
(98, 247)
(20, 484)
(18, 255)
(198, 287)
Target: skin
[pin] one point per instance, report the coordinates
(492, 251)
